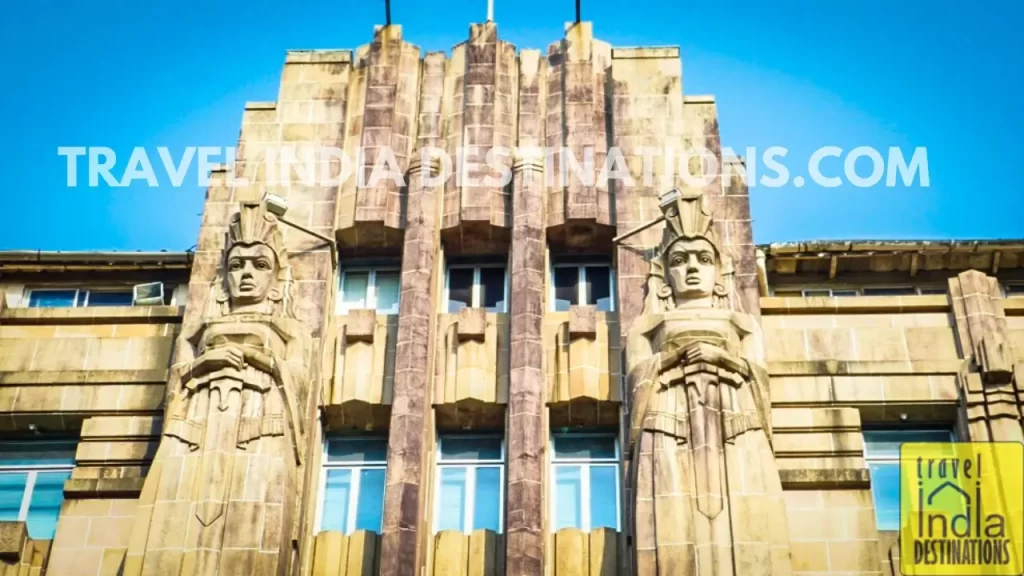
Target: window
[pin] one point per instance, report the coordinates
(585, 469)
(32, 475)
(470, 484)
(890, 291)
(882, 455)
(73, 297)
(581, 285)
(815, 292)
(1015, 290)
(484, 286)
(369, 288)
(353, 484)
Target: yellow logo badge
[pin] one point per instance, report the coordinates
(962, 508)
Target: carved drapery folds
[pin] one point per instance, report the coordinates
(230, 457)
(992, 383)
(360, 390)
(583, 367)
(471, 384)
(704, 479)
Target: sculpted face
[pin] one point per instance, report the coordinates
(690, 269)
(251, 271)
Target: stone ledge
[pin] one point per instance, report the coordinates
(94, 315)
(61, 377)
(13, 535)
(699, 99)
(318, 57)
(83, 488)
(825, 478)
(854, 304)
(862, 367)
(645, 52)
(121, 427)
(1013, 306)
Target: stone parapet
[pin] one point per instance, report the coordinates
(471, 382)
(359, 375)
(583, 367)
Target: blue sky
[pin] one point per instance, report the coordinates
(802, 74)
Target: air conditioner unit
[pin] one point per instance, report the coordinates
(151, 294)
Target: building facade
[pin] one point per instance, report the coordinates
(447, 384)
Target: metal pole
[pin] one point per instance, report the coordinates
(577, 11)
(387, 12)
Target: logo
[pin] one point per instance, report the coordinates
(962, 508)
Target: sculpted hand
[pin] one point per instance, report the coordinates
(707, 353)
(226, 357)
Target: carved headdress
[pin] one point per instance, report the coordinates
(686, 218)
(252, 225)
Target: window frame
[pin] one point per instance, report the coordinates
(585, 464)
(852, 291)
(471, 467)
(353, 495)
(1013, 290)
(371, 289)
(79, 291)
(475, 295)
(581, 280)
(870, 459)
(32, 471)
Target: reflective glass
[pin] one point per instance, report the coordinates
(603, 488)
(566, 281)
(598, 288)
(568, 494)
(357, 450)
(588, 447)
(112, 298)
(52, 298)
(386, 288)
(885, 489)
(353, 288)
(451, 511)
(456, 448)
(370, 508)
(487, 499)
(336, 498)
(43, 510)
(886, 443)
(492, 289)
(41, 453)
(460, 288)
(12, 491)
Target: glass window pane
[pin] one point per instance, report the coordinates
(568, 493)
(353, 288)
(885, 489)
(44, 508)
(889, 291)
(492, 289)
(336, 499)
(112, 298)
(928, 290)
(844, 293)
(788, 294)
(460, 288)
(451, 506)
(12, 490)
(598, 287)
(817, 292)
(886, 443)
(357, 450)
(42, 453)
(370, 508)
(456, 448)
(589, 447)
(386, 288)
(567, 290)
(603, 489)
(487, 499)
(51, 299)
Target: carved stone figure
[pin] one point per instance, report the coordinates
(220, 496)
(707, 495)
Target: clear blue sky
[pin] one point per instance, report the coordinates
(802, 74)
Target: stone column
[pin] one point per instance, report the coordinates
(525, 432)
(403, 506)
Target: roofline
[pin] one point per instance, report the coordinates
(23, 257)
(842, 246)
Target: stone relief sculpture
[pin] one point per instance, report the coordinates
(707, 495)
(220, 495)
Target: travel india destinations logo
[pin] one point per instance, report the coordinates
(962, 508)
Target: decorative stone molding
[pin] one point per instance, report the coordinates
(13, 536)
(583, 367)
(478, 554)
(992, 383)
(360, 390)
(594, 553)
(471, 385)
(335, 554)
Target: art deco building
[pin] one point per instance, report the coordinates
(462, 407)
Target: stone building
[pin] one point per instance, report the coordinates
(462, 406)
